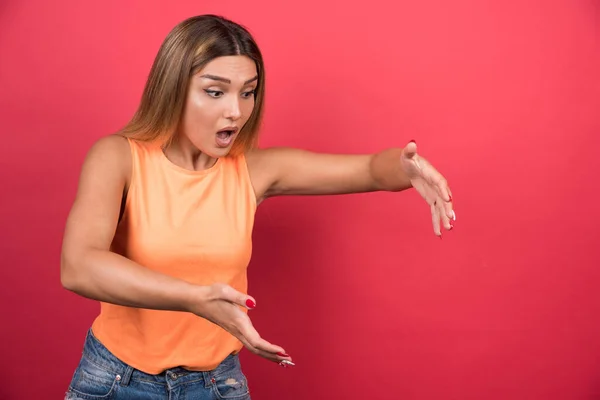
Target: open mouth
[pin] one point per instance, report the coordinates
(225, 136)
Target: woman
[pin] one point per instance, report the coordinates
(160, 230)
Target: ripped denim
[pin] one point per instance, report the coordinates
(101, 376)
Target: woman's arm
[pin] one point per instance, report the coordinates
(90, 269)
(287, 171)
(282, 171)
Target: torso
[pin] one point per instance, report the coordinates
(192, 225)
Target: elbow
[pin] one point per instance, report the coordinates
(69, 276)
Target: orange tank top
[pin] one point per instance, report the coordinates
(193, 225)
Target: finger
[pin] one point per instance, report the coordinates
(441, 205)
(250, 338)
(226, 292)
(273, 357)
(437, 180)
(448, 211)
(267, 347)
(251, 335)
(285, 363)
(258, 348)
(435, 217)
(250, 345)
(410, 150)
(440, 184)
(441, 187)
(423, 189)
(265, 354)
(431, 195)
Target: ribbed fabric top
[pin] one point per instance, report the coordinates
(193, 225)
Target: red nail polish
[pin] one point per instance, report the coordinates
(450, 197)
(451, 227)
(413, 141)
(280, 354)
(250, 303)
(440, 236)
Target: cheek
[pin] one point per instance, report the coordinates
(199, 113)
(248, 107)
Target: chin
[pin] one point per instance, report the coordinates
(218, 152)
(213, 150)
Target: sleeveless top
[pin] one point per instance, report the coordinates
(193, 225)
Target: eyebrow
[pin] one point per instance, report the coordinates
(225, 80)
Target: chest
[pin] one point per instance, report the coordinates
(200, 232)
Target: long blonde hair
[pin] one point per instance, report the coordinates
(187, 49)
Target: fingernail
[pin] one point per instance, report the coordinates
(250, 303)
(280, 354)
(450, 197)
(413, 141)
(286, 362)
(440, 236)
(451, 227)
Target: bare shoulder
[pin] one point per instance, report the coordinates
(258, 159)
(114, 147)
(110, 155)
(261, 170)
(106, 168)
(103, 182)
(272, 170)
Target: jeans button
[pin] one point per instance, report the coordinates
(173, 376)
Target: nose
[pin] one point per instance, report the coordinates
(233, 111)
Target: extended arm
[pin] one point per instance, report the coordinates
(287, 171)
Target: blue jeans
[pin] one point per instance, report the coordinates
(102, 376)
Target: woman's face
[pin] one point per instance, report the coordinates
(219, 102)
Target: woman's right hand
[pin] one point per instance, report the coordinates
(220, 304)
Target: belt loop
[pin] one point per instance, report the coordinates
(207, 379)
(126, 376)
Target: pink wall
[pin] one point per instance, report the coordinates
(503, 96)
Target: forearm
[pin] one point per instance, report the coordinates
(386, 171)
(109, 277)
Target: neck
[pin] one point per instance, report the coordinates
(181, 152)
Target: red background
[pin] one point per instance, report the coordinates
(502, 96)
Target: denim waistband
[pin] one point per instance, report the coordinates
(94, 351)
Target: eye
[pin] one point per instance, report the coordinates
(214, 93)
(249, 94)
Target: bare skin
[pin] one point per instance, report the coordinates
(220, 96)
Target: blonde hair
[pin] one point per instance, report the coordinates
(192, 44)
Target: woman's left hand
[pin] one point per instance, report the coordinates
(431, 185)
